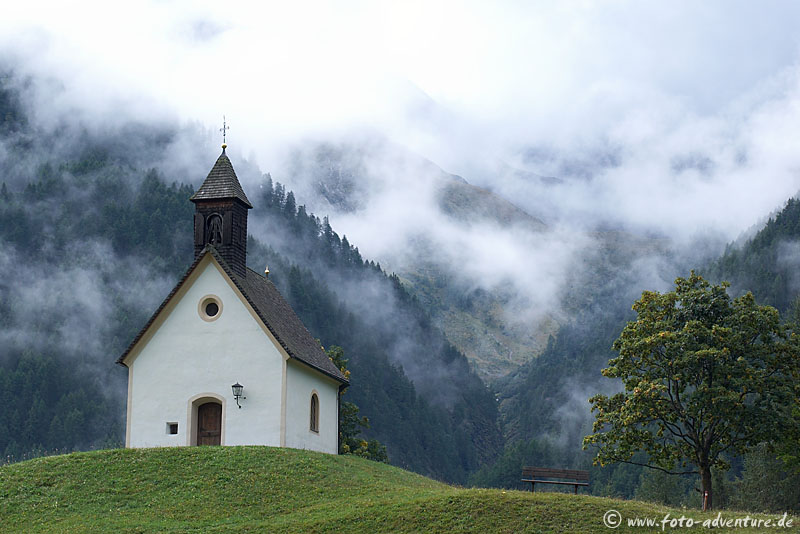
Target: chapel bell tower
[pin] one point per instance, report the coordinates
(220, 216)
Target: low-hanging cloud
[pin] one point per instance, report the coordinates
(678, 123)
(68, 306)
(456, 82)
(673, 172)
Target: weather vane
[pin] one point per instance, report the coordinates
(224, 130)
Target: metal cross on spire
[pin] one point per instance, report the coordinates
(224, 131)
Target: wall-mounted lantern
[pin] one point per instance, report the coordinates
(237, 392)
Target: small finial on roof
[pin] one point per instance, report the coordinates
(266, 271)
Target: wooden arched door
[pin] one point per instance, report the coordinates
(209, 423)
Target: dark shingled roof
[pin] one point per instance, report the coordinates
(273, 310)
(284, 323)
(221, 183)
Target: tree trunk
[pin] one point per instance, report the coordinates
(705, 478)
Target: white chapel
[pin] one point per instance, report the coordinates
(225, 360)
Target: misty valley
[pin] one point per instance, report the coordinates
(475, 328)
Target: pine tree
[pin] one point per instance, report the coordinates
(267, 191)
(289, 206)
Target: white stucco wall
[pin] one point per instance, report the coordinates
(188, 356)
(301, 382)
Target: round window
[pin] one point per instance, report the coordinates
(209, 308)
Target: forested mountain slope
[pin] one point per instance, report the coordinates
(767, 264)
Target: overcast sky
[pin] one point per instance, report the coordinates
(686, 115)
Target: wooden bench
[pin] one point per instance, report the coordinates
(537, 474)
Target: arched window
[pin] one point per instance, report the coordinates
(314, 413)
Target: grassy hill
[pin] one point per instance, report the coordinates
(262, 489)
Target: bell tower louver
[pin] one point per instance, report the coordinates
(220, 217)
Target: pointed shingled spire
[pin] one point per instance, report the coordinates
(221, 183)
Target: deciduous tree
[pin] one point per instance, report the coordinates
(702, 375)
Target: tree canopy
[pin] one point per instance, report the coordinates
(703, 376)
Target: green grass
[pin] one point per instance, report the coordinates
(263, 489)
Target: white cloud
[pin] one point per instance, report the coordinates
(679, 118)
